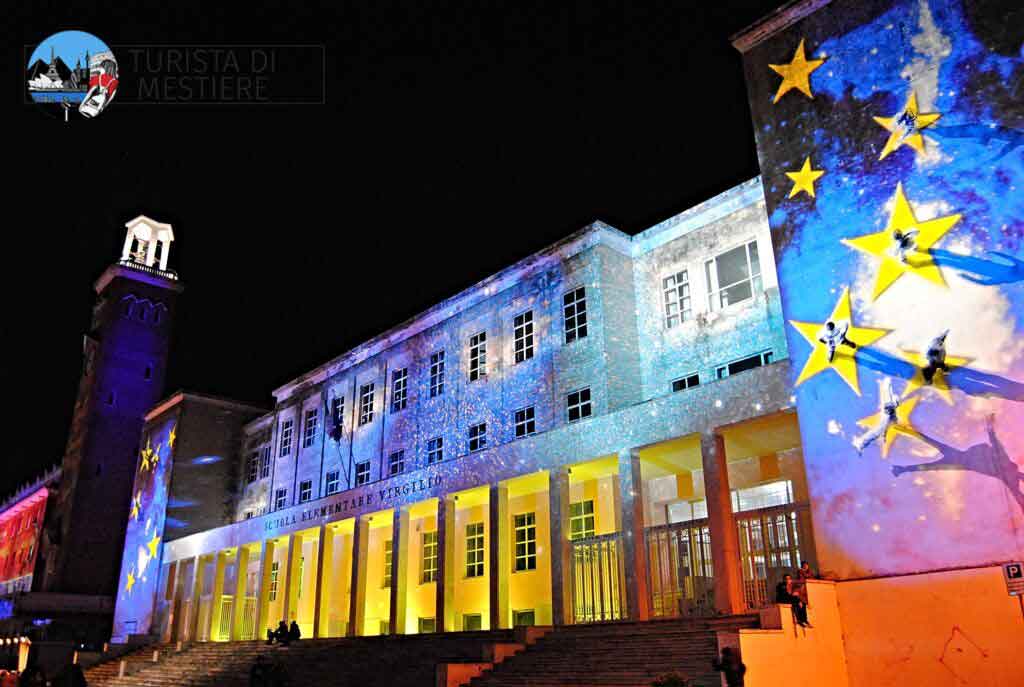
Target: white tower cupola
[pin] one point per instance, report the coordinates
(146, 242)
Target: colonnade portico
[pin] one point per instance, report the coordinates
(594, 540)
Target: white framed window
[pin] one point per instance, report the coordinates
(475, 549)
(574, 314)
(280, 499)
(744, 364)
(523, 336)
(399, 389)
(525, 526)
(675, 290)
(310, 426)
(275, 569)
(734, 276)
(578, 404)
(265, 462)
(581, 520)
(286, 437)
(338, 413)
(477, 356)
(365, 404)
(686, 382)
(388, 557)
(428, 560)
(333, 482)
(362, 473)
(305, 490)
(436, 374)
(478, 437)
(435, 450)
(524, 422)
(252, 467)
(396, 463)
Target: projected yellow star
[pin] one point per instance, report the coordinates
(940, 382)
(156, 455)
(152, 544)
(906, 126)
(902, 427)
(796, 74)
(136, 505)
(172, 436)
(803, 180)
(147, 456)
(130, 583)
(920, 262)
(845, 360)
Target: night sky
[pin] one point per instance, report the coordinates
(454, 142)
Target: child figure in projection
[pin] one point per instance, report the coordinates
(904, 243)
(887, 412)
(833, 334)
(936, 356)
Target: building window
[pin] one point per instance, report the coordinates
(475, 549)
(523, 618)
(478, 437)
(676, 291)
(333, 482)
(733, 276)
(524, 422)
(523, 336)
(365, 404)
(305, 490)
(286, 437)
(338, 413)
(436, 374)
(399, 389)
(309, 431)
(526, 542)
(428, 565)
(578, 404)
(435, 450)
(477, 356)
(686, 382)
(275, 568)
(396, 463)
(362, 473)
(252, 467)
(388, 557)
(574, 313)
(472, 622)
(427, 626)
(280, 499)
(265, 462)
(581, 520)
(744, 364)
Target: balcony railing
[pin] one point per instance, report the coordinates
(142, 267)
(772, 542)
(598, 578)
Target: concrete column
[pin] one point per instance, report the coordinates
(291, 581)
(220, 565)
(151, 250)
(447, 566)
(324, 581)
(561, 565)
(245, 555)
(263, 621)
(129, 238)
(357, 604)
(500, 553)
(725, 556)
(165, 250)
(197, 591)
(400, 545)
(634, 544)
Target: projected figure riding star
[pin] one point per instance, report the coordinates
(936, 356)
(833, 334)
(890, 403)
(904, 244)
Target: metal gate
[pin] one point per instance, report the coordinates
(681, 574)
(248, 628)
(598, 584)
(772, 542)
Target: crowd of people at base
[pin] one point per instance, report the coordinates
(794, 592)
(284, 635)
(34, 676)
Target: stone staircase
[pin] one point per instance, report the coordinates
(363, 661)
(618, 654)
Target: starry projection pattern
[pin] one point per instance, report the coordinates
(892, 151)
(140, 564)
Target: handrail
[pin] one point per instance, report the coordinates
(142, 267)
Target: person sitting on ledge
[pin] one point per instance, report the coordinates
(294, 634)
(785, 593)
(282, 635)
(271, 636)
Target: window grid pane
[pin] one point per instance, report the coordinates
(265, 462)
(252, 467)
(733, 276)
(578, 404)
(281, 499)
(399, 390)
(524, 422)
(388, 555)
(305, 491)
(365, 404)
(475, 549)
(435, 450)
(429, 562)
(581, 520)
(687, 382)
(286, 437)
(676, 292)
(525, 542)
(523, 336)
(362, 473)
(574, 312)
(396, 463)
(437, 374)
(477, 356)
(478, 437)
(333, 481)
(309, 429)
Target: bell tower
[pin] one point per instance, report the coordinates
(125, 360)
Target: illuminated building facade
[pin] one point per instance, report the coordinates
(22, 519)
(574, 439)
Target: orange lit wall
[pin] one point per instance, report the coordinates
(20, 527)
